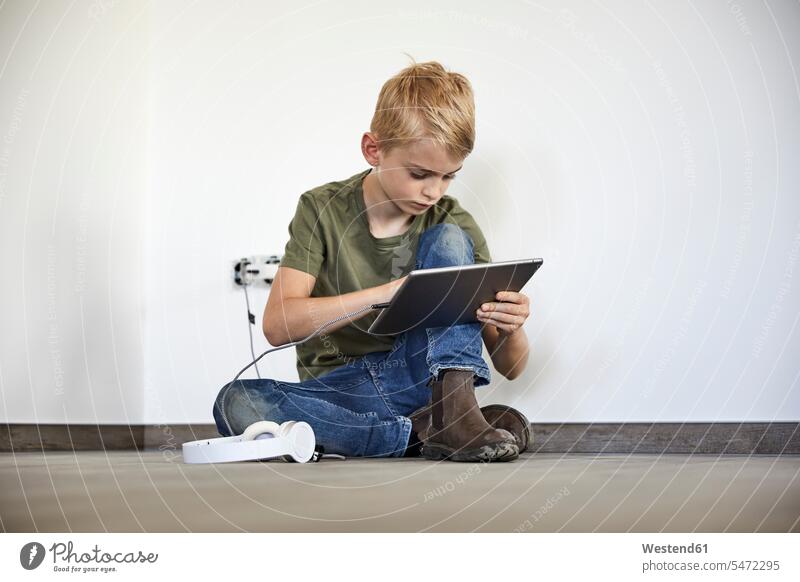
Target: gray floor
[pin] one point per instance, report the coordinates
(155, 491)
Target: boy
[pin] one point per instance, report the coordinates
(351, 244)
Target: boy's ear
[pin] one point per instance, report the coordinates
(370, 148)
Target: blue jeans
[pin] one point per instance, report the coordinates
(361, 409)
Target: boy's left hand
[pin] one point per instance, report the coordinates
(507, 314)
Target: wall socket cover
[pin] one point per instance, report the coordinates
(257, 268)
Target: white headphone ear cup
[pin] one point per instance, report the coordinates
(300, 436)
(286, 427)
(303, 442)
(258, 428)
(286, 431)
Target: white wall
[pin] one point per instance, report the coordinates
(647, 153)
(73, 114)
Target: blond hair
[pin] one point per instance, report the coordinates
(424, 101)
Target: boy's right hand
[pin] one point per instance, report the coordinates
(392, 287)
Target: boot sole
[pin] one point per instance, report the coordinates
(496, 453)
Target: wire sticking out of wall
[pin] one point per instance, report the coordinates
(251, 270)
(251, 321)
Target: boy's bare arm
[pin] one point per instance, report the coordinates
(292, 314)
(509, 353)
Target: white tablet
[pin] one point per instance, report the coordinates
(450, 295)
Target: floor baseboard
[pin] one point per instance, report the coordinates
(745, 438)
(736, 438)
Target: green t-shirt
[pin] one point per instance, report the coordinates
(330, 239)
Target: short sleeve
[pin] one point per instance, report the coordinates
(464, 219)
(305, 250)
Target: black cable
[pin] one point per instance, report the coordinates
(250, 322)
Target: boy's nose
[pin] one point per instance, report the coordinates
(431, 193)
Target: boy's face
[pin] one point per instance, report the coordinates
(416, 176)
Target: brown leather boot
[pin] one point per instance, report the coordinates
(512, 420)
(497, 415)
(420, 420)
(457, 431)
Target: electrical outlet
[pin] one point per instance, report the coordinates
(258, 268)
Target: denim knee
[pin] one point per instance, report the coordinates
(445, 245)
(237, 406)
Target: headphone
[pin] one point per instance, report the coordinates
(291, 441)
